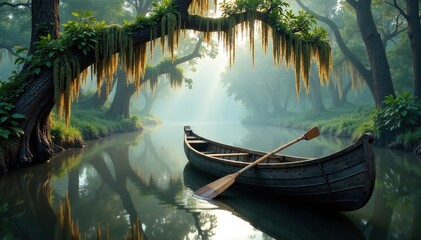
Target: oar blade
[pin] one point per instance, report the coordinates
(312, 133)
(216, 187)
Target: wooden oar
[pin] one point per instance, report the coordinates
(215, 188)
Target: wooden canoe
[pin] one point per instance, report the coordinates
(341, 181)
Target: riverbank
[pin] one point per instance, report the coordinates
(350, 122)
(90, 124)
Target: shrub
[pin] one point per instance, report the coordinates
(400, 113)
(8, 128)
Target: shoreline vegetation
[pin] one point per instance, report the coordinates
(349, 122)
(91, 124)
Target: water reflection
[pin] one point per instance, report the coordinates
(143, 180)
(281, 220)
(395, 207)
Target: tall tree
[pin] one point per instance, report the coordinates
(376, 51)
(48, 84)
(412, 16)
(378, 77)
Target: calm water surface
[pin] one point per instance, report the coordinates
(144, 178)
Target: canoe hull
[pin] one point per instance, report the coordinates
(344, 180)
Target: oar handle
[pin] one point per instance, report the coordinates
(268, 155)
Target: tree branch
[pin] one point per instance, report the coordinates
(9, 48)
(340, 41)
(15, 5)
(400, 10)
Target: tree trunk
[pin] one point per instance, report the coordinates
(123, 93)
(380, 71)
(414, 34)
(37, 103)
(337, 100)
(149, 101)
(316, 94)
(45, 20)
(98, 100)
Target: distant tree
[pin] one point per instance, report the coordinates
(15, 28)
(258, 87)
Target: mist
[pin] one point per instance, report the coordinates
(206, 101)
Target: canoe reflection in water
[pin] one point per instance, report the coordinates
(277, 218)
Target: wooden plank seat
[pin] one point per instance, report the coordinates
(228, 154)
(196, 141)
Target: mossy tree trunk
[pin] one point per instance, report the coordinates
(37, 103)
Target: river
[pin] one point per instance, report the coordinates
(144, 178)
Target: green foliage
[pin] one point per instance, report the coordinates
(65, 136)
(342, 122)
(7, 217)
(9, 122)
(396, 190)
(95, 124)
(400, 113)
(367, 125)
(159, 9)
(230, 8)
(82, 32)
(410, 141)
(301, 24)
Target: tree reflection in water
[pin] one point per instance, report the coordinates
(395, 206)
(111, 164)
(131, 182)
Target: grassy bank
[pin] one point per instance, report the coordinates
(348, 121)
(87, 124)
(344, 122)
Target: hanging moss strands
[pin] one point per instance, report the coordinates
(170, 31)
(135, 71)
(305, 64)
(356, 79)
(288, 48)
(296, 58)
(65, 67)
(176, 77)
(201, 7)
